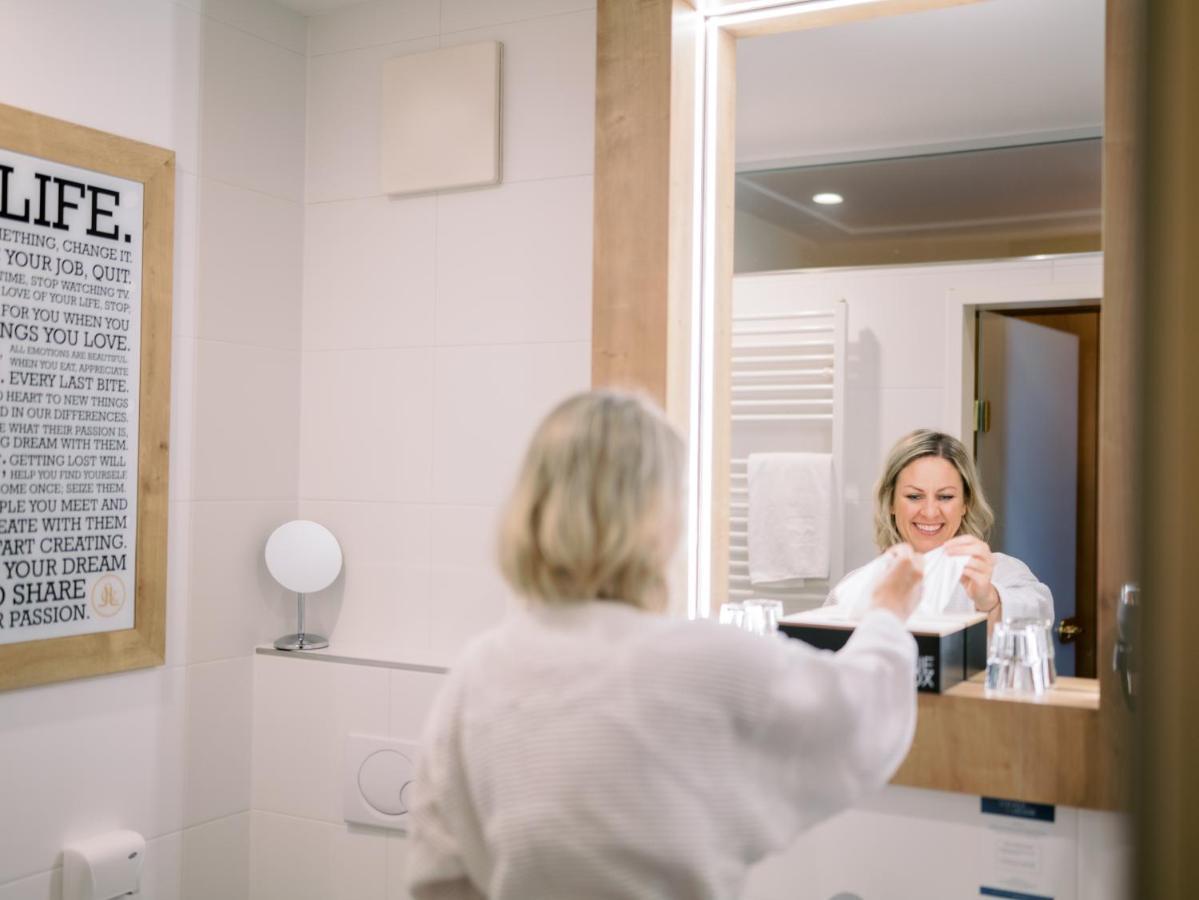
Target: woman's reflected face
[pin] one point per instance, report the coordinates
(929, 502)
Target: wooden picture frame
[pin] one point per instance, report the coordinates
(59, 143)
(650, 237)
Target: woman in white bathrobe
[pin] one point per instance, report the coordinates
(929, 496)
(590, 747)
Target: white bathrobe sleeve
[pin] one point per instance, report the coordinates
(436, 859)
(838, 725)
(1023, 597)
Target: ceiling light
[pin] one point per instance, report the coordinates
(828, 199)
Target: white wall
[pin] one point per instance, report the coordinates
(166, 751)
(437, 329)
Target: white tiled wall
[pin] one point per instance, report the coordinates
(167, 751)
(302, 850)
(437, 328)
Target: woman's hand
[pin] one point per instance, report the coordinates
(899, 589)
(976, 579)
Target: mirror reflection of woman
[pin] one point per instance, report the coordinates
(929, 496)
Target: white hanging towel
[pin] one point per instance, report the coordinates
(790, 505)
(942, 575)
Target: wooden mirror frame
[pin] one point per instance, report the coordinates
(144, 645)
(651, 101)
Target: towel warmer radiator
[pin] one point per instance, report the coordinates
(787, 394)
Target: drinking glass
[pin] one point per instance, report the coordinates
(732, 614)
(1020, 657)
(765, 612)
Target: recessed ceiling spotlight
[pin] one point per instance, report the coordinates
(828, 199)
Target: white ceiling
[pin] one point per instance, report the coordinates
(317, 7)
(963, 76)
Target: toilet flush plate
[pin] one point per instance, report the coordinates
(376, 781)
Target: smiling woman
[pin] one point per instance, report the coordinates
(929, 496)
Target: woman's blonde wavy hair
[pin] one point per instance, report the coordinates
(920, 443)
(597, 506)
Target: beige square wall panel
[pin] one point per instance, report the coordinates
(440, 123)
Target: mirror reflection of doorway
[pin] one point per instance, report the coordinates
(1036, 444)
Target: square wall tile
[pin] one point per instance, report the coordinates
(252, 113)
(217, 740)
(548, 94)
(397, 867)
(372, 24)
(215, 860)
(367, 418)
(459, 15)
(246, 422)
(130, 730)
(488, 401)
(465, 536)
(465, 602)
(369, 273)
(303, 711)
(374, 533)
(234, 603)
(381, 610)
(183, 413)
(43, 886)
(412, 697)
(144, 52)
(344, 97)
(305, 860)
(899, 329)
(270, 21)
(183, 292)
(382, 600)
(514, 263)
(876, 419)
(251, 258)
(179, 546)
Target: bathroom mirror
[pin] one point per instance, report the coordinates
(669, 170)
(946, 180)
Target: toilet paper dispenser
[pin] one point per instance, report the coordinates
(104, 867)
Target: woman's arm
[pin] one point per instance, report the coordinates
(839, 724)
(1021, 594)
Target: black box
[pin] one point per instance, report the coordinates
(950, 648)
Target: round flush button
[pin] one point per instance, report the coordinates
(382, 779)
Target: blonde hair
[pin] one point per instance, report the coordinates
(921, 443)
(597, 504)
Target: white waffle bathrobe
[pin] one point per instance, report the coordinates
(596, 751)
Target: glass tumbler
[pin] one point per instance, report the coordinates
(1020, 657)
(732, 614)
(762, 616)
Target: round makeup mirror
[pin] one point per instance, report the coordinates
(304, 557)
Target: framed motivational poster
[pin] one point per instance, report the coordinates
(86, 232)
